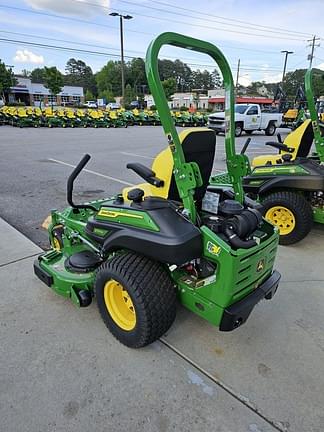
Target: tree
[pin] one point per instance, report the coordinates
(216, 79)
(37, 75)
(53, 80)
(130, 95)
(88, 95)
(109, 78)
(177, 70)
(80, 74)
(107, 95)
(294, 79)
(25, 73)
(170, 86)
(7, 80)
(135, 74)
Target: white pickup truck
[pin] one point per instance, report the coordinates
(248, 118)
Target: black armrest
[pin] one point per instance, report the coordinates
(146, 173)
(279, 146)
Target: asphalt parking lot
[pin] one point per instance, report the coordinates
(61, 369)
(35, 164)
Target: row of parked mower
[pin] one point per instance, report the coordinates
(67, 117)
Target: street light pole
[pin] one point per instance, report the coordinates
(285, 63)
(121, 28)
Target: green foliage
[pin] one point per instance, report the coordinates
(80, 74)
(183, 108)
(89, 96)
(170, 86)
(109, 78)
(107, 95)
(7, 79)
(25, 73)
(135, 74)
(153, 107)
(204, 80)
(294, 79)
(53, 80)
(37, 75)
(130, 95)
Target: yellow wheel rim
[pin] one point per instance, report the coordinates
(283, 218)
(56, 244)
(119, 305)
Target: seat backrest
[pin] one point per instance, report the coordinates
(198, 146)
(300, 140)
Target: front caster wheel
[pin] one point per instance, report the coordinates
(56, 239)
(136, 299)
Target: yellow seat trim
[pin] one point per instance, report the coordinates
(293, 140)
(163, 168)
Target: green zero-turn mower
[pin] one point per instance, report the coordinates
(290, 184)
(167, 239)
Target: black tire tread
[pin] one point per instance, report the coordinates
(301, 209)
(152, 292)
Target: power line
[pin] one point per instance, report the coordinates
(246, 25)
(224, 18)
(112, 27)
(108, 54)
(91, 45)
(68, 18)
(192, 24)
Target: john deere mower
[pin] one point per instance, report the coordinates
(290, 184)
(167, 238)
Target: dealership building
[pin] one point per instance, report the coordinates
(35, 93)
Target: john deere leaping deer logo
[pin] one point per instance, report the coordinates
(260, 265)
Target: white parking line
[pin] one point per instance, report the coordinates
(93, 172)
(136, 155)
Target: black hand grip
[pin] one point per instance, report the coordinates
(246, 144)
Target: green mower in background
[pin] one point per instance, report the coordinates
(167, 238)
(290, 184)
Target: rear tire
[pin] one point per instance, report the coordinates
(270, 130)
(142, 285)
(238, 129)
(292, 214)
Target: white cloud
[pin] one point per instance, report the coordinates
(271, 78)
(26, 56)
(245, 80)
(320, 66)
(71, 7)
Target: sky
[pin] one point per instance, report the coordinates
(253, 31)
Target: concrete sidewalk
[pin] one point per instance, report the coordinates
(61, 370)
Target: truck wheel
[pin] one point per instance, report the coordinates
(136, 299)
(270, 130)
(238, 129)
(291, 213)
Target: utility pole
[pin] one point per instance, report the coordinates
(121, 17)
(285, 63)
(313, 45)
(238, 72)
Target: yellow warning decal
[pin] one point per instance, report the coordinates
(114, 214)
(213, 249)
